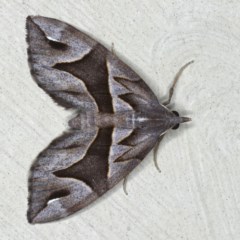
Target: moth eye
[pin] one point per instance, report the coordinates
(175, 113)
(176, 127)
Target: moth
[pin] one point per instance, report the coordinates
(118, 119)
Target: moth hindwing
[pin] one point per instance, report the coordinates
(119, 119)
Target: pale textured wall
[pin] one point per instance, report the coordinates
(197, 194)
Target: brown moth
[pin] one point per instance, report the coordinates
(119, 119)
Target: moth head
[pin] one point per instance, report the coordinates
(177, 120)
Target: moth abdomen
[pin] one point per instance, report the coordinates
(83, 120)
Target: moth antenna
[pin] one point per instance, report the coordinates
(125, 185)
(175, 80)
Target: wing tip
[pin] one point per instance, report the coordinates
(29, 217)
(32, 17)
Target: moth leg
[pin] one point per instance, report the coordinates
(175, 80)
(155, 151)
(125, 185)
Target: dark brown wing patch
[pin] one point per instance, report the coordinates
(92, 70)
(93, 168)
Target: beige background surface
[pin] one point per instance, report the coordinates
(197, 194)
